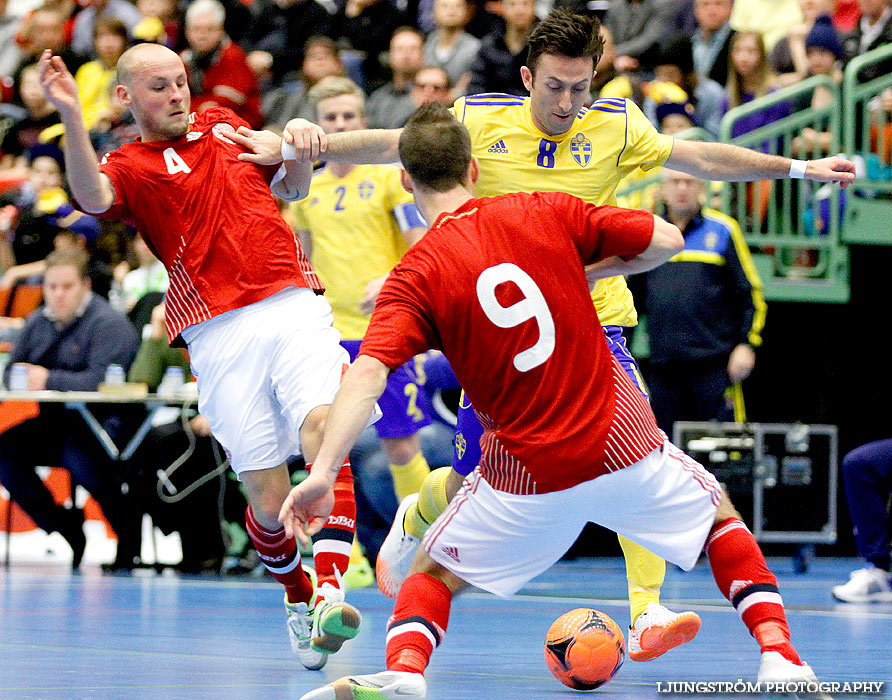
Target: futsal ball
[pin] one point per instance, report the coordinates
(584, 649)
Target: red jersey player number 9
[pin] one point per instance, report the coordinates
(533, 306)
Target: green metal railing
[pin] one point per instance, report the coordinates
(798, 230)
(867, 137)
(792, 226)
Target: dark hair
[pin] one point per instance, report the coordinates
(78, 259)
(565, 33)
(435, 148)
(110, 25)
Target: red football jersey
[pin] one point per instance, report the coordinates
(209, 217)
(499, 287)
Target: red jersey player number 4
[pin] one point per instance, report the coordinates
(533, 331)
(197, 231)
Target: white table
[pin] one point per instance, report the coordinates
(80, 401)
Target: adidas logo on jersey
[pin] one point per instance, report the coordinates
(498, 147)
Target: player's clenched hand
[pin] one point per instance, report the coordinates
(833, 169)
(262, 147)
(306, 509)
(309, 139)
(58, 84)
(372, 290)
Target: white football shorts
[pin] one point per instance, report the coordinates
(498, 541)
(261, 369)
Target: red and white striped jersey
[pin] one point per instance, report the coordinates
(209, 217)
(499, 287)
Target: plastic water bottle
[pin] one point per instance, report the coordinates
(18, 378)
(172, 381)
(114, 375)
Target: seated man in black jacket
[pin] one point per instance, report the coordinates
(66, 345)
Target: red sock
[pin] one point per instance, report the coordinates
(744, 579)
(332, 544)
(279, 555)
(418, 624)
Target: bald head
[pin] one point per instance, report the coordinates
(153, 85)
(141, 56)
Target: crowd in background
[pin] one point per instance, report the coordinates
(684, 62)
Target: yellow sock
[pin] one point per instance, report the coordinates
(431, 502)
(356, 555)
(645, 572)
(407, 478)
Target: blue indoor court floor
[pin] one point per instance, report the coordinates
(68, 637)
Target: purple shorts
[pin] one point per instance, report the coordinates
(402, 401)
(468, 431)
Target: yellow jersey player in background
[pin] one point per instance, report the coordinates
(551, 141)
(355, 224)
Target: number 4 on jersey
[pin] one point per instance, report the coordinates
(533, 306)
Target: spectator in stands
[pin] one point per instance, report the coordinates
(31, 229)
(749, 78)
(44, 29)
(867, 476)
(431, 85)
(675, 117)
(676, 65)
(846, 15)
(823, 55)
(771, 19)
(132, 284)
(96, 79)
(85, 22)
(391, 105)
(11, 16)
(608, 83)
(503, 51)
(169, 447)
(25, 133)
(279, 31)
(371, 26)
(788, 55)
(66, 345)
(167, 12)
(712, 39)
(874, 29)
(449, 46)
(682, 23)
(637, 27)
(219, 74)
(705, 310)
(289, 100)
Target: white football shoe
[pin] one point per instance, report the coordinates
(387, 685)
(397, 552)
(658, 629)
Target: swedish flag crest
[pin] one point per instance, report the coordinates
(581, 149)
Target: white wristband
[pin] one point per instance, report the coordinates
(797, 168)
(289, 152)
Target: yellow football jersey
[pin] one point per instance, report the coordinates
(607, 141)
(355, 235)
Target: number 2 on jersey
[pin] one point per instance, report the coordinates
(533, 306)
(340, 192)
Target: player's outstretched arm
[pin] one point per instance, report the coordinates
(665, 242)
(292, 182)
(365, 146)
(92, 190)
(310, 502)
(723, 161)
